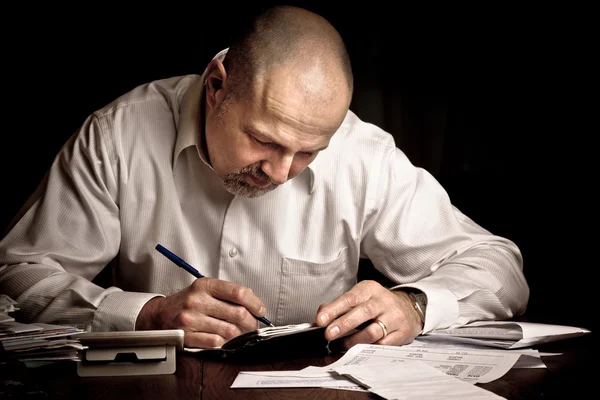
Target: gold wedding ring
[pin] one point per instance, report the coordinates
(382, 325)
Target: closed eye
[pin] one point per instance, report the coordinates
(275, 145)
(265, 144)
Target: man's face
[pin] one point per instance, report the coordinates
(259, 143)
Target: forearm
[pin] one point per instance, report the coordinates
(482, 283)
(51, 295)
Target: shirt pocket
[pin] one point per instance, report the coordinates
(305, 285)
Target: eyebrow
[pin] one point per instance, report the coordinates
(261, 135)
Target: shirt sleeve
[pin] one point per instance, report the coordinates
(418, 239)
(65, 235)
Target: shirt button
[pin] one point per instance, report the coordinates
(233, 252)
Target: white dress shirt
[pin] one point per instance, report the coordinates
(133, 176)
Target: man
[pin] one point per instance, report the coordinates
(258, 175)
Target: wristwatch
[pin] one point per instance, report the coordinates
(419, 300)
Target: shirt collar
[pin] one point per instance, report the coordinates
(190, 131)
(190, 117)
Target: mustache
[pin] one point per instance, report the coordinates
(253, 170)
(235, 182)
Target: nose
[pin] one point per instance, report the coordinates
(278, 167)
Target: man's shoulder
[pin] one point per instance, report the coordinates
(145, 119)
(358, 147)
(357, 154)
(162, 92)
(355, 136)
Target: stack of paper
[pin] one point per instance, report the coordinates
(35, 342)
(508, 334)
(444, 363)
(362, 368)
(7, 305)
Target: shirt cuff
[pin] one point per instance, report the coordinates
(119, 311)
(442, 305)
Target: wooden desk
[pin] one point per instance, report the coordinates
(567, 376)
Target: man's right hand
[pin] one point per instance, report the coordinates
(210, 311)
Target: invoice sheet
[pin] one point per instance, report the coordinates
(413, 380)
(469, 365)
(530, 358)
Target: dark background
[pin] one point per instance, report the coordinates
(490, 101)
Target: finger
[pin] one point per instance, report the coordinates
(234, 293)
(396, 338)
(203, 331)
(192, 321)
(200, 306)
(371, 333)
(401, 336)
(341, 305)
(202, 340)
(363, 312)
(237, 315)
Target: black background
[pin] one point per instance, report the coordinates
(492, 101)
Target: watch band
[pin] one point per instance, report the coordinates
(420, 304)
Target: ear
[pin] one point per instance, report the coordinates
(216, 84)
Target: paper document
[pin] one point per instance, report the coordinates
(34, 342)
(508, 334)
(290, 379)
(469, 365)
(38, 342)
(5, 318)
(413, 380)
(530, 358)
(7, 304)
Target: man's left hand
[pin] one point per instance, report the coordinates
(369, 301)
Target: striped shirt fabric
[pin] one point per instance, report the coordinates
(134, 176)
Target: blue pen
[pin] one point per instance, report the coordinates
(181, 263)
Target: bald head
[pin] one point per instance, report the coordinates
(294, 39)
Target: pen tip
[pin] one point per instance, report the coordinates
(271, 325)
